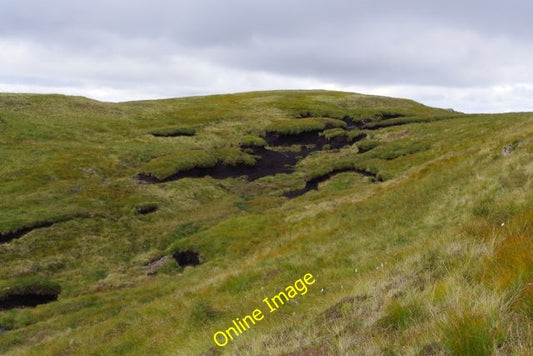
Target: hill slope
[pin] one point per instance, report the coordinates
(150, 227)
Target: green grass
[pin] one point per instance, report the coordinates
(174, 131)
(397, 149)
(367, 145)
(34, 285)
(398, 316)
(381, 123)
(431, 257)
(350, 136)
(297, 126)
(470, 334)
(250, 140)
(166, 166)
(332, 133)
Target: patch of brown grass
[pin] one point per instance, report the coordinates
(512, 261)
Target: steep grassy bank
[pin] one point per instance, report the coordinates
(428, 258)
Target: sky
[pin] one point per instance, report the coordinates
(471, 56)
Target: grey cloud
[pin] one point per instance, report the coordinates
(178, 45)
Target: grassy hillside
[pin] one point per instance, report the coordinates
(144, 228)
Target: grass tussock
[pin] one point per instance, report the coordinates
(253, 141)
(202, 313)
(166, 166)
(473, 334)
(174, 131)
(397, 149)
(374, 125)
(34, 285)
(397, 316)
(367, 145)
(512, 262)
(27, 291)
(297, 126)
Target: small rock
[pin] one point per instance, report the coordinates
(155, 265)
(89, 171)
(507, 150)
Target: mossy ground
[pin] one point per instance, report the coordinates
(431, 259)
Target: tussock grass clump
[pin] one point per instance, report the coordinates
(232, 237)
(366, 145)
(297, 126)
(479, 228)
(398, 149)
(387, 115)
(183, 231)
(202, 312)
(512, 262)
(495, 213)
(374, 125)
(179, 233)
(165, 167)
(397, 316)
(15, 318)
(240, 283)
(14, 232)
(28, 291)
(524, 302)
(233, 156)
(356, 135)
(332, 133)
(470, 334)
(36, 285)
(350, 136)
(253, 141)
(174, 131)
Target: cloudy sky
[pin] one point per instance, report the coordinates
(473, 56)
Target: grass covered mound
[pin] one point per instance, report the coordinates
(340, 133)
(195, 163)
(297, 126)
(174, 131)
(415, 222)
(253, 141)
(396, 121)
(15, 230)
(29, 291)
(162, 168)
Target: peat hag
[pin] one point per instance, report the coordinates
(313, 183)
(351, 123)
(390, 115)
(8, 236)
(269, 161)
(303, 138)
(146, 209)
(186, 258)
(174, 132)
(26, 300)
(11, 235)
(28, 292)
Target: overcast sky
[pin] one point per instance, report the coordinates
(473, 56)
